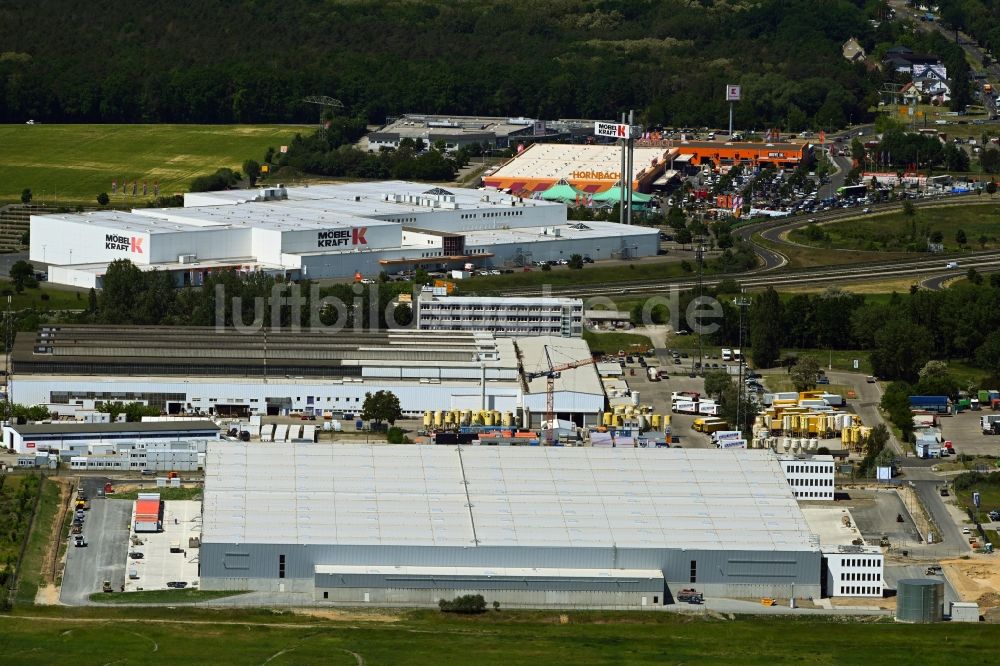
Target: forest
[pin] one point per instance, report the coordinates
(251, 61)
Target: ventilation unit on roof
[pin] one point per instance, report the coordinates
(187, 258)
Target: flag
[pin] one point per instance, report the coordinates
(135, 186)
(114, 187)
(156, 189)
(144, 188)
(822, 136)
(124, 187)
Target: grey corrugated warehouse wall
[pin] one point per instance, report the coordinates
(743, 573)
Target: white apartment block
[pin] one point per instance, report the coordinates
(854, 571)
(810, 478)
(504, 317)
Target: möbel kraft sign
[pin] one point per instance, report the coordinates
(614, 130)
(341, 237)
(117, 242)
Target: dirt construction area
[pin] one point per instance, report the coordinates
(975, 579)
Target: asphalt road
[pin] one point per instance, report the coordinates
(106, 529)
(927, 484)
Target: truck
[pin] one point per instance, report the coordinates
(990, 423)
(653, 374)
(727, 354)
(939, 404)
(988, 88)
(688, 593)
(106, 587)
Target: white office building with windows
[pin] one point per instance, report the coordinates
(811, 478)
(504, 317)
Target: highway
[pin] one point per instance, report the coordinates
(929, 270)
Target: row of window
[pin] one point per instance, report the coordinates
(861, 576)
(865, 562)
(810, 469)
(810, 482)
(856, 590)
(814, 494)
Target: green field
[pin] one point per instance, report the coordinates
(191, 493)
(895, 231)
(372, 637)
(160, 596)
(43, 298)
(39, 542)
(73, 163)
(612, 342)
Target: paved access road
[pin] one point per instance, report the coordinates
(106, 529)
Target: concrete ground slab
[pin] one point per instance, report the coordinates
(181, 521)
(106, 529)
(828, 523)
(965, 432)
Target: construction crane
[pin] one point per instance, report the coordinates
(551, 375)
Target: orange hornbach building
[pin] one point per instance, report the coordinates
(717, 154)
(588, 168)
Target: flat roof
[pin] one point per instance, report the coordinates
(499, 300)
(583, 379)
(206, 351)
(552, 161)
(99, 428)
(471, 496)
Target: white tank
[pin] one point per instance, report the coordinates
(813, 444)
(796, 444)
(786, 444)
(773, 443)
(635, 397)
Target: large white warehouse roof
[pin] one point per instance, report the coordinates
(500, 496)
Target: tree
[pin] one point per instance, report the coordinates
(103, 199)
(381, 406)
(988, 354)
(983, 240)
(683, 236)
(857, 150)
(576, 261)
(909, 210)
(936, 236)
(960, 237)
(121, 293)
(113, 409)
(716, 382)
(974, 276)
(546, 267)
(991, 188)
(252, 170)
(805, 373)
(765, 329)
(22, 274)
(901, 349)
(989, 160)
(134, 411)
(26, 196)
(468, 604)
(92, 300)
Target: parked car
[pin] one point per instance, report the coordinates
(823, 380)
(79, 541)
(135, 555)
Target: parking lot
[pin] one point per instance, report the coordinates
(967, 436)
(158, 566)
(875, 512)
(657, 394)
(106, 529)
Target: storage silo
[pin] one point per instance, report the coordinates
(920, 600)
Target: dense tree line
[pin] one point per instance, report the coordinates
(979, 18)
(902, 333)
(249, 61)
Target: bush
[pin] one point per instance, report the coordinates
(397, 436)
(467, 604)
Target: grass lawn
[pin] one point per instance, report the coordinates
(989, 498)
(39, 542)
(895, 231)
(559, 277)
(160, 596)
(502, 638)
(43, 298)
(610, 343)
(812, 257)
(73, 163)
(192, 493)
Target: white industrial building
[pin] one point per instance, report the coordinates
(501, 316)
(191, 370)
(179, 456)
(854, 571)
(811, 477)
(102, 438)
(525, 526)
(326, 231)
